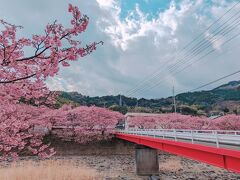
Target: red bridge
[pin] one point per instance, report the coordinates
(196, 145)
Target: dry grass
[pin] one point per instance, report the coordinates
(47, 170)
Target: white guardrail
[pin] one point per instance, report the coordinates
(194, 136)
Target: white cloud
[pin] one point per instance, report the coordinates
(137, 24)
(106, 3)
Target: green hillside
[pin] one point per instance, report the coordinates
(225, 98)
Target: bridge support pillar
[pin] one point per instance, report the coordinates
(146, 161)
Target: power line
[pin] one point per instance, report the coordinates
(213, 24)
(212, 82)
(208, 53)
(196, 38)
(194, 50)
(202, 49)
(224, 31)
(183, 68)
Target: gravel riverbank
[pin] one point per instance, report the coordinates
(122, 167)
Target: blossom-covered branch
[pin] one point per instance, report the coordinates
(57, 46)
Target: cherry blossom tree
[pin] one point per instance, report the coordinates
(17, 133)
(168, 121)
(178, 121)
(227, 122)
(22, 80)
(24, 76)
(82, 124)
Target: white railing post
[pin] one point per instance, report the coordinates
(217, 142)
(175, 135)
(192, 137)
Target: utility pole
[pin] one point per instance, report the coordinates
(174, 101)
(120, 100)
(137, 103)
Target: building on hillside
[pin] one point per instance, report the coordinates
(214, 117)
(215, 114)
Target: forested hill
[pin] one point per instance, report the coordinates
(223, 98)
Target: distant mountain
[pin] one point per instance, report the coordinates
(230, 85)
(225, 98)
(106, 101)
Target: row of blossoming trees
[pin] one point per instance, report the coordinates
(178, 121)
(25, 100)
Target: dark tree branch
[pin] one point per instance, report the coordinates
(34, 56)
(18, 79)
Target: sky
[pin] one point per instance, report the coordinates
(143, 53)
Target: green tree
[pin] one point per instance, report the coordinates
(121, 109)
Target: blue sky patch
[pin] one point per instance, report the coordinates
(151, 7)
